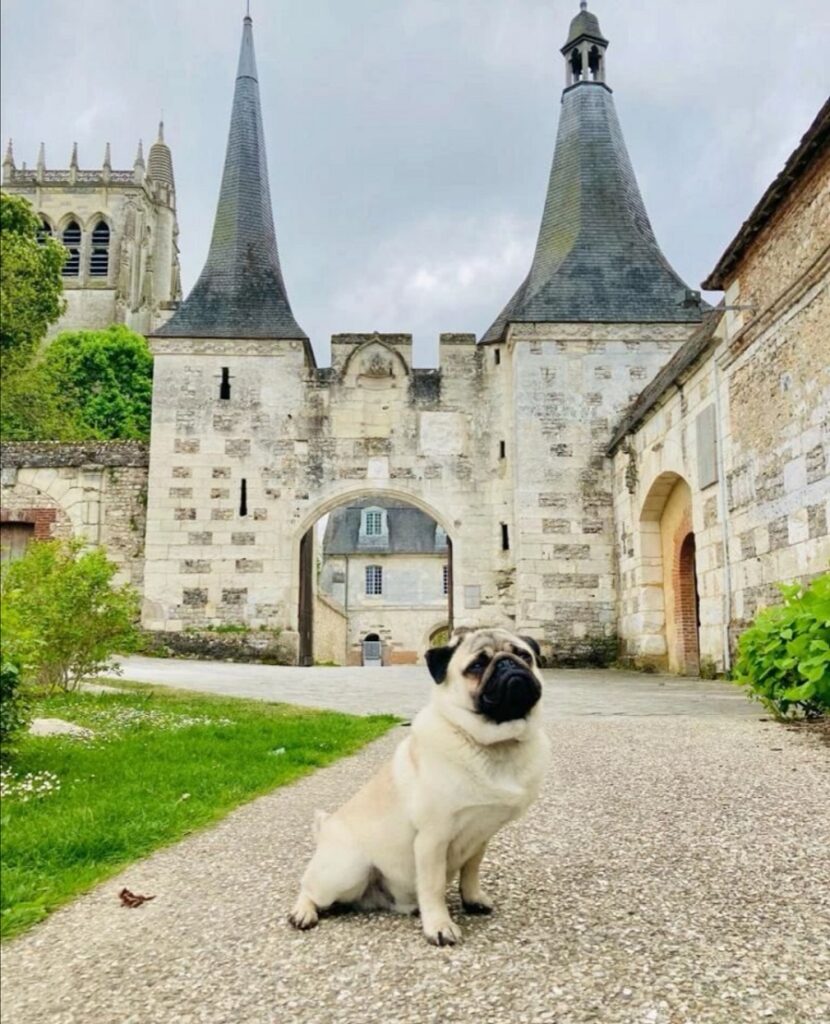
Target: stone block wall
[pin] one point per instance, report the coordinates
(96, 491)
(331, 626)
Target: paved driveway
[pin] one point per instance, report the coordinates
(402, 690)
(676, 870)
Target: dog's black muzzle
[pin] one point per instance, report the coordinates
(510, 692)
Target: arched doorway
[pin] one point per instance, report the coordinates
(687, 607)
(669, 599)
(383, 563)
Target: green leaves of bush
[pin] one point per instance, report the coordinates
(62, 616)
(784, 657)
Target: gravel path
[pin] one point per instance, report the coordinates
(675, 871)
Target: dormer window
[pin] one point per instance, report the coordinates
(373, 522)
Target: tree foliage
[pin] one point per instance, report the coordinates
(105, 379)
(62, 615)
(31, 291)
(88, 385)
(784, 657)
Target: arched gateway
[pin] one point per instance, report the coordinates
(502, 443)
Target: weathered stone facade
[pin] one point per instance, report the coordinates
(95, 491)
(128, 275)
(646, 469)
(742, 427)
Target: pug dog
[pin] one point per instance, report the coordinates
(473, 761)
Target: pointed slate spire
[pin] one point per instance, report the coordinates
(596, 258)
(241, 292)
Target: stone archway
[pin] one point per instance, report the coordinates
(305, 557)
(669, 615)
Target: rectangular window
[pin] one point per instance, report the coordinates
(374, 580)
(707, 447)
(243, 498)
(374, 524)
(505, 537)
(225, 385)
(446, 579)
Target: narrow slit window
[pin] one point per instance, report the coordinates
(99, 258)
(243, 498)
(505, 537)
(502, 450)
(71, 238)
(374, 580)
(225, 385)
(497, 356)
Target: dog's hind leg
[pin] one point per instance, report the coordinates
(338, 873)
(472, 898)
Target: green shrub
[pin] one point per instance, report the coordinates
(63, 615)
(13, 705)
(784, 657)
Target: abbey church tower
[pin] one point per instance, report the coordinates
(120, 231)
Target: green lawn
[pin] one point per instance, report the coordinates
(161, 764)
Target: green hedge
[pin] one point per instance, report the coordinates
(784, 657)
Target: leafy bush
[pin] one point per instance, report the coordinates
(13, 705)
(63, 614)
(784, 657)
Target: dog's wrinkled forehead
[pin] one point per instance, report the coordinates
(493, 641)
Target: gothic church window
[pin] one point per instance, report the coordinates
(374, 580)
(99, 259)
(44, 231)
(71, 238)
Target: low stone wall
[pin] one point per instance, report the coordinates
(95, 490)
(259, 646)
(331, 626)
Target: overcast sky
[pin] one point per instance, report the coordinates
(409, 141)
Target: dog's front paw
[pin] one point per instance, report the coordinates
(442, 932)
(304, 915)
(477, 906)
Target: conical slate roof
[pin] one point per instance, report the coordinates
(240, 293)
(596, 258)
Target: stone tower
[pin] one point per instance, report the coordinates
(121, 233)
(598, 314)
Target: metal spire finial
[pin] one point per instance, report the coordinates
(583, 5)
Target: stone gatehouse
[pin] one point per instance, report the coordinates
(551, 450)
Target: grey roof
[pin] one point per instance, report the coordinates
(584, 25)
(684, 359)
(240, 293)
(411, 531)
(813, 144)
(596, 259)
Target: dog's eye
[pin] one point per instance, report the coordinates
(477, 667)
(524, 655)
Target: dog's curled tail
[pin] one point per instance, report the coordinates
(319, 818)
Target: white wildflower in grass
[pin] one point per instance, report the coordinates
(31, 786)
(117, 719)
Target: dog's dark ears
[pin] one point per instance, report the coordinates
(534, 646)
(438, 658)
